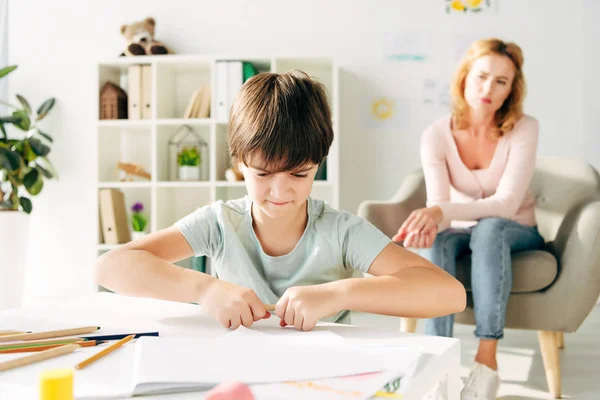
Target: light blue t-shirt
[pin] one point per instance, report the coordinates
(334, 244)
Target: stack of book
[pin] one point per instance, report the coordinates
(199, 104)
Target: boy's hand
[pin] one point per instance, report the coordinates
(233, 305)
(303, 306)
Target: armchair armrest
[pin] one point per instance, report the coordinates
(387, 216)
(577, 249)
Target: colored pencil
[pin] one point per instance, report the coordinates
(49, 334)
(119, 336)
(31, 349)
(270, 307)
(388, 395)
(41, 356)
(6, 333)
(104, 352)
(43, 342)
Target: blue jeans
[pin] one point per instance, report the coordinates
(491, 243)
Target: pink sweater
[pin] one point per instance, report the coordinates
(501, 190)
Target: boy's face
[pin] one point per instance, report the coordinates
(278, 194)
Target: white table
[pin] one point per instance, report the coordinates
(126, 314)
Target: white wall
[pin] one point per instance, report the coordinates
(57, 43)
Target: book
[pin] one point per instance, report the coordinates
(146, 97)
(113, 214)
(134, 89)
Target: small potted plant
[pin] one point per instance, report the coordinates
(138, 221)
(189, 160)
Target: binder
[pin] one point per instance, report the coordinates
(115, 228)
(134, 97)
(146, 92)
(221, 102)
(235, 80)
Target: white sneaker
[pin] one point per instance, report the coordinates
(439, 392)
(482, 384)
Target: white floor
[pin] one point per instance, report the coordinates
(520, 362)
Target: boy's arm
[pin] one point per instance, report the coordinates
(404, 284)
(144, 268)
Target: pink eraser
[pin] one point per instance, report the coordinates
(230, 391)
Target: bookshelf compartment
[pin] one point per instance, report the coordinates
(127, 145)
(132, 196)
(170, 139)
(176, 83)
(174, 203)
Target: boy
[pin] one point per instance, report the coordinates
(277, 244)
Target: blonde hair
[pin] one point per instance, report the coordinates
(512, 109)
(283, 117)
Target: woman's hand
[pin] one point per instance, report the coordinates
(419, 221)
(303, 306)
(232, 305)
(421, 240)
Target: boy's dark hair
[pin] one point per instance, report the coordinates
(284, 118)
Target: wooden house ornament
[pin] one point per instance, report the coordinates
(113, 102)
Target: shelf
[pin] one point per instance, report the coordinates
(124, 123)
(184, 121)
(124, 185)
(183, 184)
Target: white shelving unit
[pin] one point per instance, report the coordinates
(174, 79)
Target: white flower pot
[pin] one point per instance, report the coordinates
(189, 173)
(137, 235)
(14, 233)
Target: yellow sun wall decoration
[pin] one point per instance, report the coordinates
(466, 6)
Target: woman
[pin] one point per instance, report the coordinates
(478, 163)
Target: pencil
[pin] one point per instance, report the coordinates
(388, 395)
(49, 334)
(31, 349)
(44, 342)
(270, 307)
(6, 333)
(41, 356)
(104, 352)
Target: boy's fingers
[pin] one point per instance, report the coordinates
(282, 323)
(257, 308)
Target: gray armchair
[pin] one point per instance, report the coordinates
(553, 290)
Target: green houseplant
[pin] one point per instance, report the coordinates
(24, 160)
(24, 165)
(189, 160)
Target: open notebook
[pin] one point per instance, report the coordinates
(153, 365)
(173, 364)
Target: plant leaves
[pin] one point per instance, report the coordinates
(9, 159)
(25, 104)
(44, 172)
(47, 165)
(36, 188)
(38, 147)
(45, 108)
(3, 131)
(45, 136)
(26, 204)
(28, 153)
(25, 122)
(12, 119)
(31, 178)
(7, 70)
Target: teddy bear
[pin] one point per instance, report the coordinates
(140, 39)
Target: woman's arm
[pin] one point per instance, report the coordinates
(513, 184)
(435, 170)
